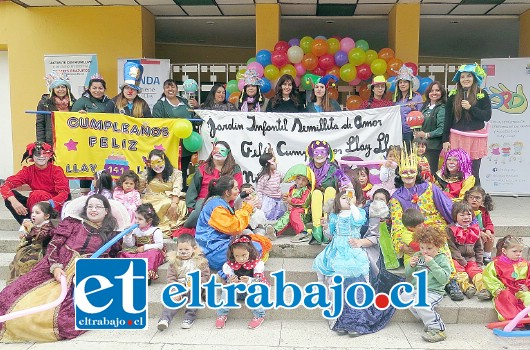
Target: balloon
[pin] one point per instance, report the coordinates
(240, 84)
(333, 45)
(353, 102)
(231, 86)
(294, 42)
(183, 128)
(363, 44)
(321, 37)
(392, 82)
(288, 69)
(348, 72)
(363, 71)
(270, 94)
(346, 44)
(333, 93)
(415, 84)
(318, 71)
(378, 67)
(193, 143)
(356, 56)
(297, 81)
(263, 57)
(190, 85)
(326, 61)
(364, 91)
(334, 71)
(412, 66)
(251, 59)
(279, 58)
(295, 54)
(424, 84)
(234, 96)
(282, 46)
(355, 81)
(393, 65)
(371, 55)
(265, 85)
(309, 61)
(305, 44)
(300, 70)
(240, 74)
(341, 58)
(319, 47)
(386, 54)
(256, 67)
(271, 72)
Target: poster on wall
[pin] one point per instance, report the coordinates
(156, 71)
(365, 134)
(506, 167)
(79, 69)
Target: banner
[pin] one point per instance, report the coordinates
(78, 67)
(366, 134)
(86, 143)
(156, 71)
(505, 169)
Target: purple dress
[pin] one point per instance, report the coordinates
(72, 239)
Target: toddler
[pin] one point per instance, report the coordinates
(126, 192)
(387, 173)
(423, 163)
(412, 219)
(102, 184)
(481, 203)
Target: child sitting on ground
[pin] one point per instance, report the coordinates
(438, 268)
(102, 184)
(482, 204)
(126, 192)
(188, 258)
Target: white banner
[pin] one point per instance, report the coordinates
(156, 71)
(505, 169)
(78, 67)
(366, 134)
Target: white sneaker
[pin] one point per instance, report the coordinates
(162, 325)
(270, 232)
(186, 324)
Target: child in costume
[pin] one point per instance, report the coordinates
(186, 259)
(362, 175)
(257, 218)
(268, 187)
(297, 199)
(145, 241)
(438, 266)
(243, 266)
(126, 192)
(423, 163)
(466, 249)
(455, 177)
(102, 184)
(482, 204)
(412, 220)
(328, 179)
(387, 172)
(507, 278)
(35, 235)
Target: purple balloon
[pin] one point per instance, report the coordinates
(341, 58)
(294, 42)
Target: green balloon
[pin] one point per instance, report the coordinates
(193, 143)
(231, 87)
(363, 44)
(251, 59)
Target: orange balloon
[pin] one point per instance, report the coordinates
(270, 94)
(310, 61)
(364, 90)
(234, 96)
(333, 93)
(386, 54)
(319, 47)
(353, 102)
(392, 66)
(334, 71)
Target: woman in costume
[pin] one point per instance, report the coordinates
(251, 99)
(320, 100)
(407, 99)
(127, 101)
(455, 178)
(378, 89)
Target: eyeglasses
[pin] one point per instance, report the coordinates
(97, 207)
(475, 198)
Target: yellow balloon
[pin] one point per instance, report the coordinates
(183, 128)
(371, 55)
(288, 69)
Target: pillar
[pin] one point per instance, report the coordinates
(404, 31)
(267, 26)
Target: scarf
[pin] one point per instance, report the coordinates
(466, 235)
(62, 104)
(249, 265)
(244, 106)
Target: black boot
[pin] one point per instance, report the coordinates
(454, 291)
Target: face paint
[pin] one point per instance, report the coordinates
(408, 174)
(320, 152)
(158, 164)
(41, 158)
(220, 152)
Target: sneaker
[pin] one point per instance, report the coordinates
(270, 232)
(162, 325)
(186, 324)
(454, 291)
(354, 334)
(255, 322)
(470, 292)
(433, 336)
(341, 331)
(484, 295)
(301, 237)
(220, 322)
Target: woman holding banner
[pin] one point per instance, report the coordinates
(285, 99)
(407, 99)
(467, 110)
(378, 89)
(320, 100)
(216, 99)
(78, 236)
(94, 99)
(251, 99)
(127, 101)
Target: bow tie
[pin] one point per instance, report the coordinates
(466, 235)
(249, 265)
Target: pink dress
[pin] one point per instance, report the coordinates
(131, 200)
(152, 239)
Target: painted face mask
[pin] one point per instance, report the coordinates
(408, 174)
(220, 151)
(320, 152)
(158, 165)
(41, 158)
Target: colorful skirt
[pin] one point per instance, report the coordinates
(477, 147)
(155, 258)
(273, 208)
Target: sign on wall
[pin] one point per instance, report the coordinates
(78, 67)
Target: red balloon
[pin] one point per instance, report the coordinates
(412, 66)
(279, 58)
(353, 102)
(319, 71)
(282, 46)
(326, 61)
(364, 90)
(333, 93)
(363, 71)
(310, 61)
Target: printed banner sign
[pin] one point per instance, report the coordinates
(86, 143)
(156, 71)
(365, 134)
(505, 169)
(78, 67)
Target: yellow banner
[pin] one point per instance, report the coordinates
(86, 143)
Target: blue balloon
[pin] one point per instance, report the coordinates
(266, 86)
(424, 84)
(321, 37)
(392, 82)
(341, 58)
(263, 57)
(294, 42)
